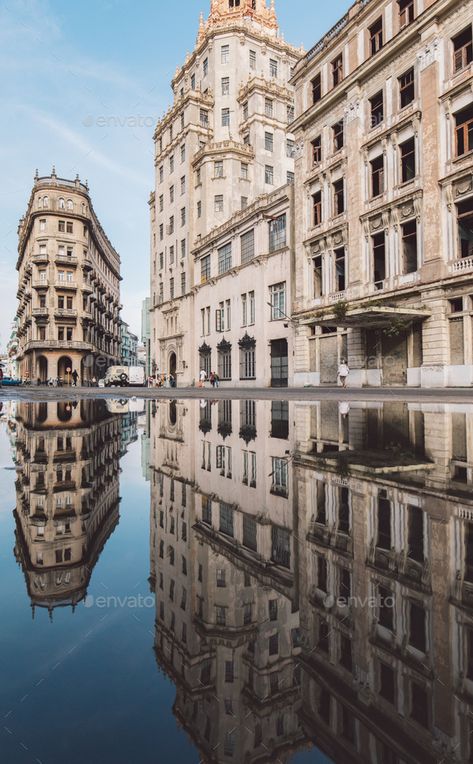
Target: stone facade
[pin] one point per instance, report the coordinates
(384, 193)
(222, 144)
(68, 285)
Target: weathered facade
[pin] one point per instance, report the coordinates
(384, 230)
(222, 144)
(69, 285)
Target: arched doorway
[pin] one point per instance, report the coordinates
(42, 368)
(172, 364)
(63, 364)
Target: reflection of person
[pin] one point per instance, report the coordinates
(343, 372)
(344, 408)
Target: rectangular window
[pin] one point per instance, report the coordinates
(183, 216)
(289, 177)
(273, 67)
(464, 131)
(247, 363)
(376, 36)
(340, 269)
(290, 148)
(205, 67)
(226, 518)
(205, 269)
(409, 246)
(377, 109)
(338, 197)
(408, 160)
(269, 174)
(279, 475)
(225, 117)
(415, 533)
(225, 54)
(183, 153)
(277, 233)
(251, 301)
(244, 171)
(268, 107)
(204, 118)
(417, 624)
(316, 88)
(252, 57)
(224, 258)
(183, 283)
(406, 12)
(338, 136)
(218, 203)
(243, 202)
(386, 683)
(244, 310)
(247, 246)
(280, 545)
(317, 208)
(465, 227)
(69, 227)
(462, 49)
(337, 70)
(218, 169)
(316, 151)
(377, 176)
(183, 185)
(290, 114)
(384, 524)
(225, 85)
(199, 209)
(268, 141)
(249, 533)
(406, 88)
(171, 289)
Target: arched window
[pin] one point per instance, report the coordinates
(70, 205)
(62, 205)
(45, 201)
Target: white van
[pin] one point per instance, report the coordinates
(124, 376)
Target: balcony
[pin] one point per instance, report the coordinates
(65, 259)
(87, 263)
(58, 344)
(41, 312)
(59, 284)
(65, 312)
(40, 257)
(40, 284)
(465, 265)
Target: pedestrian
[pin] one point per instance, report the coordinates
(94, 382)
(75, 377)
(343, 372)
(212, 378)
(216, 379)
(202, 378)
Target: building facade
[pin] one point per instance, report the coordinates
(384, 193)
(69, 285)
(146, 334)
(128, 346)
(222, 144)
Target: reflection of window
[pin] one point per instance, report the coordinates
(279, 419)
(280, 546)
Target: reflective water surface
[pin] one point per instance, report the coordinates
(236, 581)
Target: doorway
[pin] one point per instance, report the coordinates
(279, 363)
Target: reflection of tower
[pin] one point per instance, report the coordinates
(224, 563)
(67, 496)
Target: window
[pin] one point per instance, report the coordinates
(161, 174)
(273, 67)
(247, 362)
(338, 136)
(171, 225)
(464, 131)
(224, 258)
(161, 203)
(218, 169)
(183, 216)
(225, 117)
(277, 233)
(384, 524)
(268, 107)
(419, 705)
(316, 150)
(376, 36)
(273, 644)
(205, 67)
(268, 142)
(417, 623)
(340, 274)
(61, 225)
(225, 85)
(183, 283)
(289, 177)
(183, 248)
(171, 289)
(183, 185)
(243, 202)
(465, 227)
(462, 49)
(290, 146)
(409, 246)
(317, 208)
(249, 532)
(244, 310)
(247, 246)
(252, 56)
(199, 209)
(279, 476)
(42, 225)
(171, 164)
(218, 203)
(280, 544)
(225, 54)
(251, 300)
(269, 174)
(337, 70)
(244, 171)
(290, 114)
(204, 118)
(386, 682)
(406, 12)
(226, 518)
(316, 88)
(406, 88)
(385, 608)
(415, 533)
(205, 269)
(377, 109)
(408, 160)
(377, 176)
(225, 362)
(338, 197)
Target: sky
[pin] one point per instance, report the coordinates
(82, 85)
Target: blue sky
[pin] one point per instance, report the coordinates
(82, 85)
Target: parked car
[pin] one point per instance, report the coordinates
(11, 381)
(124, 376)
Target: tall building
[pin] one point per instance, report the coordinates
(384, 230)
(223, 144)
(128, 345)
(68, 285)
(146, 334)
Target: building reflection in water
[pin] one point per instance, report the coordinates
(67, 491)
(313, 571)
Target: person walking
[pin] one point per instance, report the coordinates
(216, 379)
(343, 372)
(202, 378)
(212, 378)
(75, 377)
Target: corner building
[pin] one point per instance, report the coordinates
(384, 193)
(222, 144)
(68, 285)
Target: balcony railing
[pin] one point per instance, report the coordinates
(462, 266)
(59, 284)
(66, 312)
